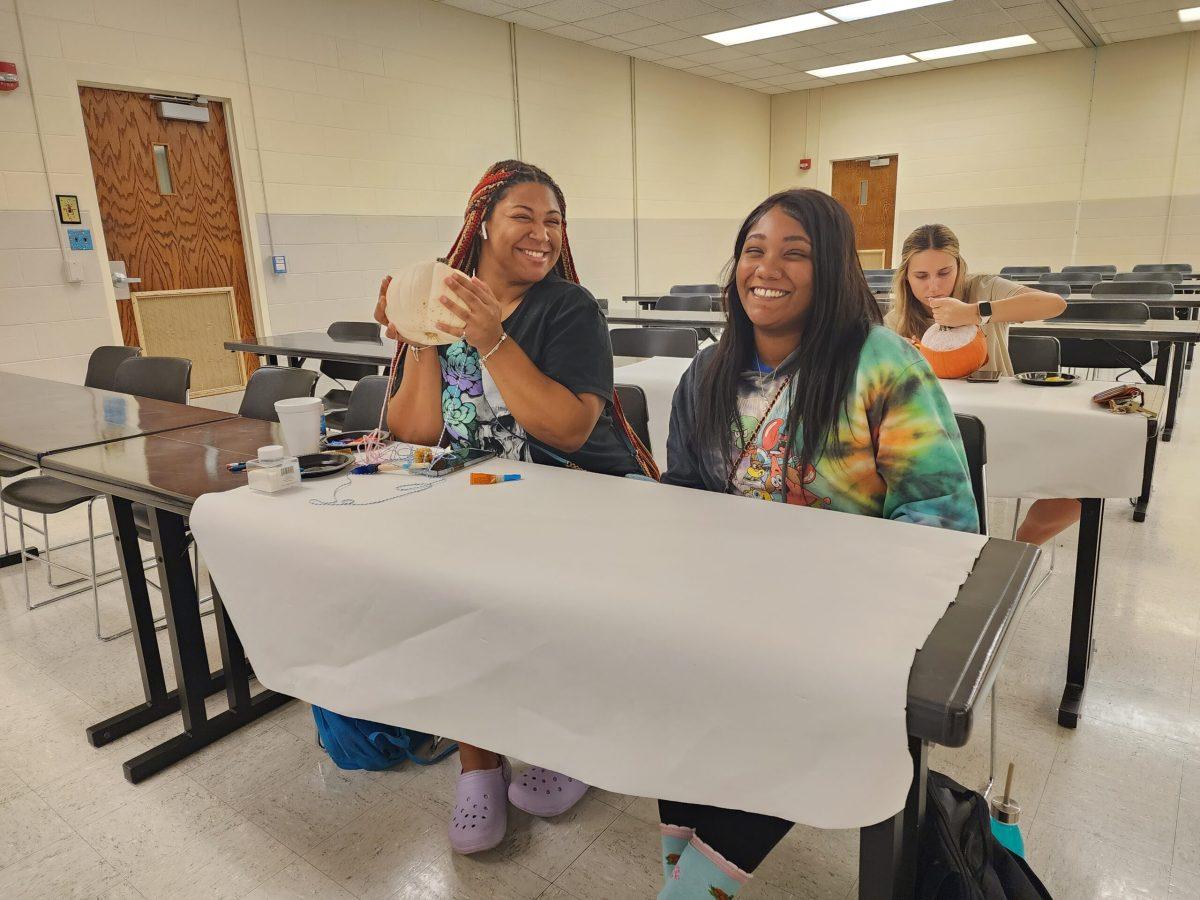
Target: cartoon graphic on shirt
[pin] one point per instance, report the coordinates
(475, 416)
(761, 473)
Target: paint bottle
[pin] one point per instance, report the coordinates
(272, 471)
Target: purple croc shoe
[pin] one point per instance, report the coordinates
(541, 792)
(480, 815)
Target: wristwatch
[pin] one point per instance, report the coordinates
(985, 311)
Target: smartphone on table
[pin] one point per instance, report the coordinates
(986, 376)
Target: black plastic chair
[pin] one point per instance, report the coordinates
(1135, 290)
(103, 365)
(681, 342)
(974, 439)
(1031, 353)
(1104, 270)
(157, 377)
(685, 303)
(637, 412)
(695, 289)
(1171, 277)
(1099, 352)
(1024, 270)
(342, 372)
(1080, 282)
(1163, 267)
(1055, 287)
(366, 402)
(271, 383)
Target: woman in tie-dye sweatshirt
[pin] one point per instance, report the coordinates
(807, 399)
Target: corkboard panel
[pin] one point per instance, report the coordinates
(194, 324)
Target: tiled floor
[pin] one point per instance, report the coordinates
(1111, 809)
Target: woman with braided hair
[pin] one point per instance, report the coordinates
(531, 378)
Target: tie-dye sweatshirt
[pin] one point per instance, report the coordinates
(895, 451)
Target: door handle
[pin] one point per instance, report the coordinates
(120, 280)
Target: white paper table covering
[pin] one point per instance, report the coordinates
(657, 377)
(1041, 441)
(647, 639)
(1054, 441)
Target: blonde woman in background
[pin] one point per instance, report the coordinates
(933, 286)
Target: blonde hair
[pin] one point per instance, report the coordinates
(908, 315)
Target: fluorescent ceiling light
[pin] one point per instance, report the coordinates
(868, 8)
(764, 30)
(1190, 15)
(1019, 40)
(864, 66)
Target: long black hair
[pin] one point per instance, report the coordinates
(839, 318)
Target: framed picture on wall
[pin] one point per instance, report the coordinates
(68, 209)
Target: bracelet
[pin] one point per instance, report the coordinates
(416, 351)
(488, 355)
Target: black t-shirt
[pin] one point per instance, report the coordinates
(560, 327)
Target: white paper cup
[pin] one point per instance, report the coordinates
(300, 418)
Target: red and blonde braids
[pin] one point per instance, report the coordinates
(464, 252)
(464, 256)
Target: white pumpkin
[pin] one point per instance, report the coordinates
(413, 307)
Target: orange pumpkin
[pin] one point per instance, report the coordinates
(953, 352)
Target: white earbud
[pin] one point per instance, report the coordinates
(483, 229)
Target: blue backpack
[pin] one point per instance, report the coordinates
(359, 744)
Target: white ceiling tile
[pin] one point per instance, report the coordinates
(673, 10)
(709, 23)
(647, 53)
(769, 70)
(717, 55)
(676, 62)
(958, 9)
(768, 10)
(655, 34)
(573, 33)
(572, 10)
(483, 7)
(611, 43)
(686, 46)
(741, 65)
(617, 22)
(528, 19)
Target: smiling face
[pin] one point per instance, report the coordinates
(931, 274)
(774, 273)
(524, 235)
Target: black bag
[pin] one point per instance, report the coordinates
(960, 859)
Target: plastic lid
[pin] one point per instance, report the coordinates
(270, 453)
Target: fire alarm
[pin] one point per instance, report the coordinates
(805, 164)
(8, 77)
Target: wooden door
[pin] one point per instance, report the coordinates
(177, 235)
(868, 193)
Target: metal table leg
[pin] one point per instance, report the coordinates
(1142, 504)
(159, 701)
(191, 659)
(887, 860)
(1178, 355)
(1083, 611)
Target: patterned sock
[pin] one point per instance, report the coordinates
(703, 874)
(674, 839)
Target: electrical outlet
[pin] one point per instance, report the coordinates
(80, 238)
